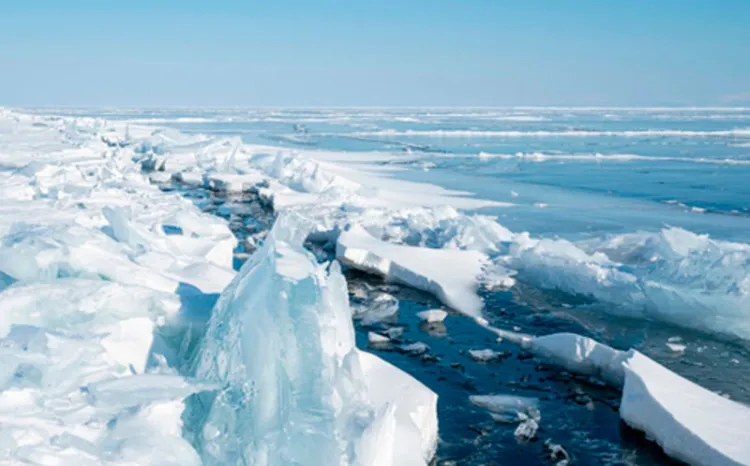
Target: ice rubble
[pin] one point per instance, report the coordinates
(658, 275)
(84, 294)
(674, 276)
(281, 343)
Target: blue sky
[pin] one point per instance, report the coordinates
(389, 52)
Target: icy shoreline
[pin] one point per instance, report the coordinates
(97, 219)
(99, 269)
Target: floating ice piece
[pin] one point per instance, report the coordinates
(190, 178)
(382, 307)
(375, 338)
(557, 453)
(676, 347)
(508, 408)
(690, 423)
(415, 348)
(432, 316)
(450, 275)
(526, 430)
(395, 333)
(486, 355)
(281, 344)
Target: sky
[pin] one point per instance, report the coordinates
(374, 53)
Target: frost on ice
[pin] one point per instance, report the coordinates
(281, 343)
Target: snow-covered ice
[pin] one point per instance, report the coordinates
(421, 268)
(581, 355)
(690, 423)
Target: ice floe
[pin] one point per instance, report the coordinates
(422, 268)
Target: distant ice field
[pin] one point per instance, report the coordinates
(592, 170)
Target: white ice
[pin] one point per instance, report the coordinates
(432, 316)
(88, 281)
(422, 268)
(690, 423)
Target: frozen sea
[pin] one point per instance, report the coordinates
(594, 171)
(663, 192)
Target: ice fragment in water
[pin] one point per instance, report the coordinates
(433, 316)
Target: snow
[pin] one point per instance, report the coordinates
(690, 423)
(432, 316)
(420, 268)
(281, 344)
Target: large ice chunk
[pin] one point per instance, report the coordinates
(296, 390)
(690, 423)
(673, 275)
(449, 274)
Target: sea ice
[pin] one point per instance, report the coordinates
(432, 316)
(420, 268)
(581, 355)
(486, 355)
(690, 423)
(281, 343)
(508, 408)
(376, 338)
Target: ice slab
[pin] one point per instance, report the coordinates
(451, 275)
(581, 355)
(281, 344)
(690, 423)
